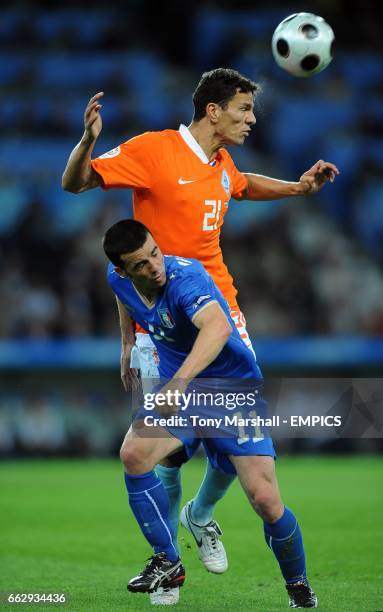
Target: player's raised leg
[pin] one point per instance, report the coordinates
(197, 518)
(282, 532)
(150, 505)
(197, 514)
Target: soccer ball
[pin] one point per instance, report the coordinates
(302, 44)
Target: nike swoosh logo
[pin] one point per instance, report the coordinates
(198, 542)
(181, 181)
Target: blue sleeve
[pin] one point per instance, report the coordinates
(110, 274)
(194, 292)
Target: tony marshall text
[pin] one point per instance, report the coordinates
(234, 420)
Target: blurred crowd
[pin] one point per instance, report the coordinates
(62, 422)
(309, 266)
(296, 274)
(87, 415)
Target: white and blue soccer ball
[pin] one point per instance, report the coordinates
(302, 44)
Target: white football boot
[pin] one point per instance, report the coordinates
(211, 551)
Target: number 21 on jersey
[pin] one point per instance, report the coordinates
(211, 217)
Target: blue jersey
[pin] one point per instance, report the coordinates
(189, 288)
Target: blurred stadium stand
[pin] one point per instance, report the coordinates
(309, 272)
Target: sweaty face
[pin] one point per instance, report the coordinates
(145, 267)
(235, 121)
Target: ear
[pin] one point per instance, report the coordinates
(213, 111)
(121, 272)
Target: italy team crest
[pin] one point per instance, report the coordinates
(225, 180)
(165, 317)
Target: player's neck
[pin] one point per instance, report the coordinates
(204, 134)
(148, 295)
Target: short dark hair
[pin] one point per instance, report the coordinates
(219, 86)
(125, 236)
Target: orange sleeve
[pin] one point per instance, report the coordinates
(238, 180)
(132, 164)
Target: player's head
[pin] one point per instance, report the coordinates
(226, 99)
(132, 249)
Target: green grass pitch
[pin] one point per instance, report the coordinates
(66, 526)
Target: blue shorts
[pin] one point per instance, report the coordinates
(224, 426)
(219, 449)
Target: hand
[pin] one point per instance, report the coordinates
(314, 179)
(92, 117)
(172, 390)
(129, 376)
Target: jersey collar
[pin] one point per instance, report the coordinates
(192, 143)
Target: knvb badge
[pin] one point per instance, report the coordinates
(112, 153)
(165, 317)
(225, 180)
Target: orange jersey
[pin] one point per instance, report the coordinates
(178, 195)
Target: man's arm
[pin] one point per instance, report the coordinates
(214, 331)
(79, 175)
(129, 375)
(265, 188)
